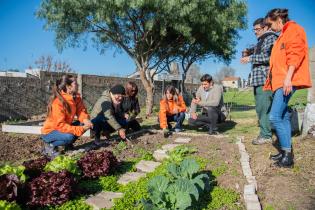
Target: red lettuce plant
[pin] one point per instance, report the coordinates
(50, 188)
(33, 168)
(95, 164)
(9, 184)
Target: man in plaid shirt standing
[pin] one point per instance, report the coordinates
(260, 67)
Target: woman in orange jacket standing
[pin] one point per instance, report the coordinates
(64, 104)
(289, 71)
(172, 108)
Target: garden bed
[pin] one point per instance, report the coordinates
(218, 157)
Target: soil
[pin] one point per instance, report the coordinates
(280, 188)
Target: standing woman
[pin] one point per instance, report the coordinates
(172, 108)
(289, 71)
(64, 104)
(130, 106)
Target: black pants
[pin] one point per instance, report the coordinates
(209, 117)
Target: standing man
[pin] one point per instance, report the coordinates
(210, 97)
(260, 67)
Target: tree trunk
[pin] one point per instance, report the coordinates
(149, 87)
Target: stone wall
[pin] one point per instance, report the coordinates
(21, 98)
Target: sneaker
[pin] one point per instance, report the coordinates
(213, 133)
(50, 151)
(261, 140)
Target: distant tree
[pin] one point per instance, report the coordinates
(46, 63)
(193, 73)
(225, 71)
(151, 32)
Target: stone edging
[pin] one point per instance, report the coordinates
(250, 196)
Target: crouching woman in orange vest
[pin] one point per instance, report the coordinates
(172, 109)
(289, 71)
(64, 104)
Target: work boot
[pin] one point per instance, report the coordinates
(286, 161)
(277, 156)
(261, 140)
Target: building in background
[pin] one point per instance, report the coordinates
(232, 82)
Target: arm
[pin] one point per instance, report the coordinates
(264, 56)
(193, 106)
(182, 105)
(162, 115)
(61, 124)
(109, 115)
(136, 109)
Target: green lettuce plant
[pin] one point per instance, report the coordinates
(63, 163)
(16, 170)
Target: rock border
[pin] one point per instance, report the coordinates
(250, 189)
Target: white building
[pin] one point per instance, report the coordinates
(232, 82)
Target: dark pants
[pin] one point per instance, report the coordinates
(209, 117)
(100, 124)
(178, 118)
(263, 100)
(57, 138)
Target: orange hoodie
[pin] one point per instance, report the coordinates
(167, 107)
(61, 120)
(290, 49)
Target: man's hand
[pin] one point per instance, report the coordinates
(193, 115)
(196, 100)
(86, 127)
(245, 60)
(126, 116)
(122, 133)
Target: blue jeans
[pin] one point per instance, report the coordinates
(100, 124)
(280, 118)
(57, 138)
(178, 118)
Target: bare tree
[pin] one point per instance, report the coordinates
(193, 74)
(225, 71)
(47, 63)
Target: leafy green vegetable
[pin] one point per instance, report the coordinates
(5, 205)
(222, 198)
(17, 170)
(179, 189)
(179, 153)
(63, 163)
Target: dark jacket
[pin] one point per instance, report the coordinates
(130, 105)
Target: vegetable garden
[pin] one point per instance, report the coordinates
(203, 174)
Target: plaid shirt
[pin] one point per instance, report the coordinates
(260, 61)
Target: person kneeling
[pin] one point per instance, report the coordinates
(108, 115)
(210, 97)
(59, 128)
(172, 109)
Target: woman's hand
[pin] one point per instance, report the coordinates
(87, 123)
(287, 86)
(122, 133)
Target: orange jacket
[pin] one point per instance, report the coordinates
(167, 108)
(290, 49)
(60, 120)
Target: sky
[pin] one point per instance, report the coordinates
(23, 39)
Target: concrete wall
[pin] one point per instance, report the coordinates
(21, 98)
